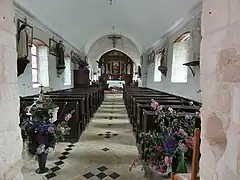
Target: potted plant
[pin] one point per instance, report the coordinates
(164, 149)
(42, 130)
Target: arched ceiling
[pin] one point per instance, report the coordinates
(105, 44)
(78, 21)
(113, 52)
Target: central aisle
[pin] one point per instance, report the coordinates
(105, 150)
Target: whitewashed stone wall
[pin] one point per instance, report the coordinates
(10, 137)
(220, 84)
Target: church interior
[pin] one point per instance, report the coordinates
(118, 89)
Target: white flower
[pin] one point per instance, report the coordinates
(170, 110)
(41, 149)
(63, 130)
(182, 147)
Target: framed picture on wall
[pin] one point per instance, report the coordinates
(29, 29)
(52, 46)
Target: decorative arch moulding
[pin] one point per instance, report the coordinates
(116, 49)
(39, 42)
(131, 38)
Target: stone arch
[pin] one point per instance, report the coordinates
(104, 45)
(183, 37)
(105, 52)
(98, 36)
(39, 42)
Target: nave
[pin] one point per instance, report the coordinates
(105, 150)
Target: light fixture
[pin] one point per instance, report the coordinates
(110, 2)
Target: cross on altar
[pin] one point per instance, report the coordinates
(114, 40)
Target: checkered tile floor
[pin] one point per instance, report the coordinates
(53, 170)
(102, 174)
(108, 135)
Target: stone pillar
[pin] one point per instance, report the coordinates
(10, 136)
(220, 84)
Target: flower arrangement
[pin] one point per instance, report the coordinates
(40, 128)
(164, 149)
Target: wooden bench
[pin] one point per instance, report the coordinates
(81, 100)
(66, 105)
(142, 116)
(147, 108)
(164, 100)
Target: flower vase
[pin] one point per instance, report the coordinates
(51, 154)
(42, 159)
(156, 175)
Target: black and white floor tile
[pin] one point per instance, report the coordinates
(108, 134)
(102, 173)
(105, 150)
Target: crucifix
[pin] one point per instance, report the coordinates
(114, 40)
(41, 88)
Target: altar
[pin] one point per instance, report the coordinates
(115, 83)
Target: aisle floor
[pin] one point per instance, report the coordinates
(105, 150)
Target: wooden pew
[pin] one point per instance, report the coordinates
(66, 105)
(95, 97)
(74, 99)
(138, 101)
(147, 99)
(87, 104)
(164, 101)
(147, 108)
(147, 95)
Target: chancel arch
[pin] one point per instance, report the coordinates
(115, 68)
(107, 43)
(102, 35)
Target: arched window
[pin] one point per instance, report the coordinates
(180, 56)
(67, 71)
(39, 58)
(157, 63)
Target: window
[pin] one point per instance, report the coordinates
(180, 56)
(39, 57)
(157, 73)
(43, 66)
(67, 72)
(35, 70)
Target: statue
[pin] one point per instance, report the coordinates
(60, 49)
(22, 48)
(103, 69)
(162, 68)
